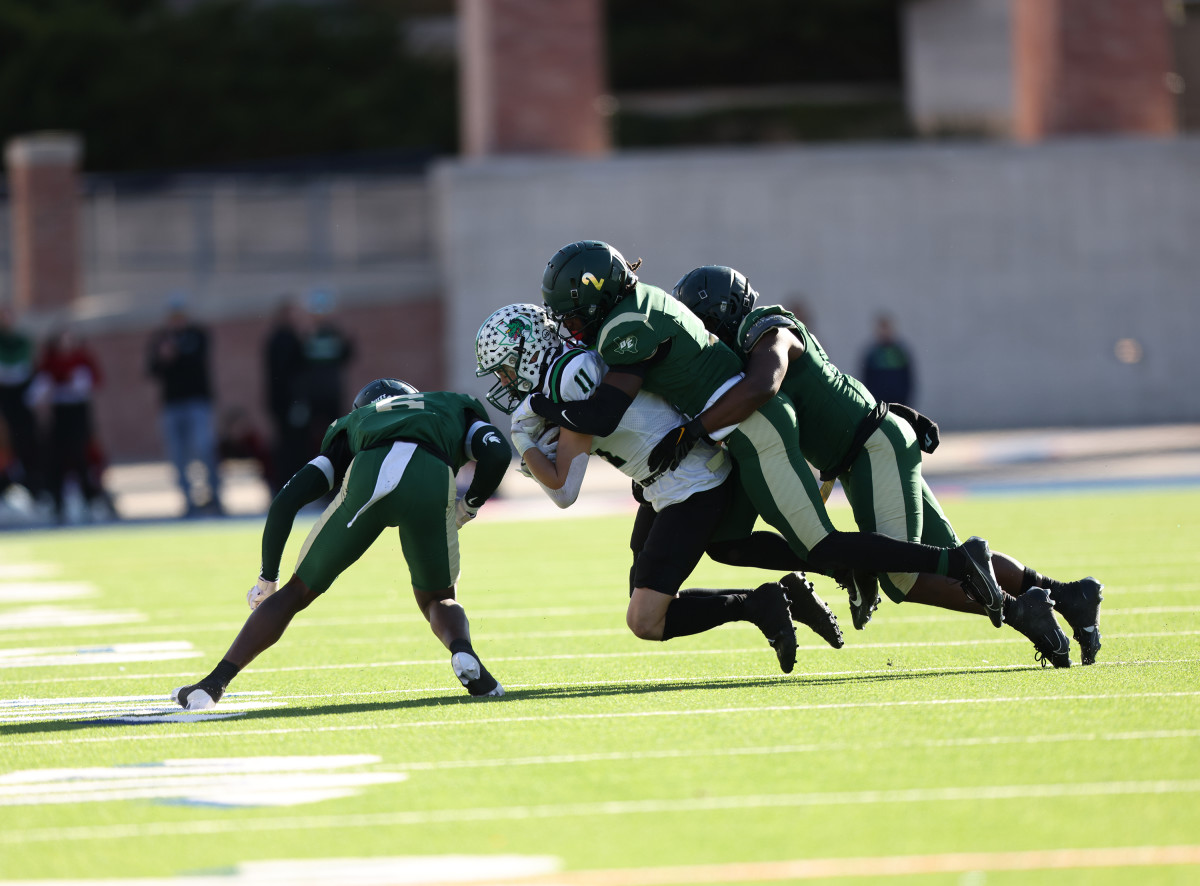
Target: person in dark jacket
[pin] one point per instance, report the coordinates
(178, 358)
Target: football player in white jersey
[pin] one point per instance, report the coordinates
(683, 512)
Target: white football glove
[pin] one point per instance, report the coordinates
(527, 426)
(463, 513)
(261, 590)
(548, 442)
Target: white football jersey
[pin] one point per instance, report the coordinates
(575, 375)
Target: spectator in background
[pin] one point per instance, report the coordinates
(287, 400)
(67, 375)
(887, 367)
(327, 350)
(178, 358)
(16, 373)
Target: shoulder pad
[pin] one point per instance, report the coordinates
(758, 322)
(574, 375)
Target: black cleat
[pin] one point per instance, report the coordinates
(807, 608)
(1079, 604)
(198, 696)
(473, 675)
(980, 584)
(863, 588)
(767, 608)
(1032, 614)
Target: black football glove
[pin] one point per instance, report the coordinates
(926, 428)
(674, 447)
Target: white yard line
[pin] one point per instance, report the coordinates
(982, 667)
(659, 806)
(867, 867)
(559, 718)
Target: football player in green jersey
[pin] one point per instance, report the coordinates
(874, 449)
(393, 460)
(650, 340)
(697, 507)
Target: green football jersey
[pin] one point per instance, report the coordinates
(829, 404)
(439, 419)
(690, 363)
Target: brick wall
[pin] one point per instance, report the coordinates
(532, 75)
(43, 174)
(403, 340)
(1083, 66)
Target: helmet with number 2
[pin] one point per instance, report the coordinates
(721, 297)
(380, 389)
(514, 343)
(582, 283)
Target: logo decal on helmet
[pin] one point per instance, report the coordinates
(517, 330)
(589, 277)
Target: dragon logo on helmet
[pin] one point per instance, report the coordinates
(514, 345)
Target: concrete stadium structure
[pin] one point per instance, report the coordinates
(1015, 271)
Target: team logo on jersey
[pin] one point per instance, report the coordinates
(517, 330)
(589, 277)
(627, 345)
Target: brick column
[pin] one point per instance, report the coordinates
(1091, 66)
(43, 179)
(532, 76)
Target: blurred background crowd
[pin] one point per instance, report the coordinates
(1002, 193)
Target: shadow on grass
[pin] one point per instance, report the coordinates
(511, 696)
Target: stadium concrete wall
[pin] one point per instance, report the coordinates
(1051, 285)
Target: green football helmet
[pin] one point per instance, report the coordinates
(581, 285)
(381, 388)
(721, 297)
(516, 343)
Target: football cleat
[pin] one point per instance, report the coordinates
(1032, 614)
(980, 584)
(807, 608)
(473, 675)
(863, 588)
(767, 607)
(1079, 603)
(198, 696)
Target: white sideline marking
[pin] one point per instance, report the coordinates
(514, 870)
(808, 675)
(413, 870)
(559, 718)
(669, 805)
(27, 570)
(64, 617)
(40, 591)
(236, 781)
(872, 867)
(132, 709)
(166, 650)
(840, 747)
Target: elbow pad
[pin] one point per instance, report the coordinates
(597, 416)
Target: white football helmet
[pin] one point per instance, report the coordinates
(515, 343)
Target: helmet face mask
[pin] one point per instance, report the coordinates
(514, 344)
(581, 285)
(720, 296)
(380, 389)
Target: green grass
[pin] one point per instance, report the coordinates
(930, 734)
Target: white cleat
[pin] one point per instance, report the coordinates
(473, 675)
(194, 698)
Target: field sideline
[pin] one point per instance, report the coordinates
(931, 749)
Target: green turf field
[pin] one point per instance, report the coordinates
(931, 749)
